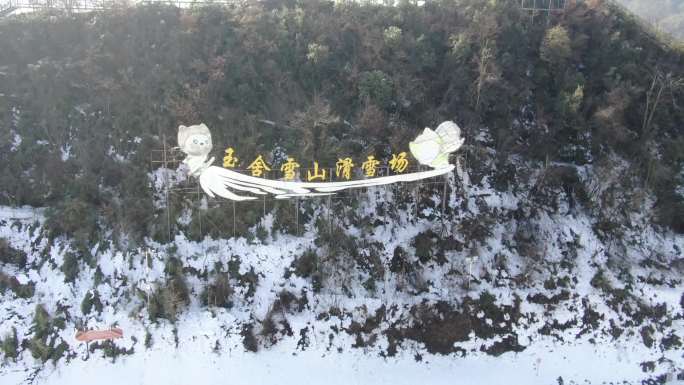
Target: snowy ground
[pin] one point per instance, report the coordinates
(194, 362)
(205, 344)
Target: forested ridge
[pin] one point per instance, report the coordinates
(564, 222)
(666, 16)
(86, 98)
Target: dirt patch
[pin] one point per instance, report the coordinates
(440, 326)
(508, 344)
(366, 333)
(542, 299)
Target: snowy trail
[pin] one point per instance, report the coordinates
(192, 363)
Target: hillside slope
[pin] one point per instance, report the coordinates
(553, 254)
(667, 16)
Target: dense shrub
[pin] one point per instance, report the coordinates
(10, 255)
(44, 344)
(11, 283)
(70, 266)
(91, 299)
(10, 345)
(219, 293)
(169, 300)
(249, 341)
(306, 264)
(109, 349)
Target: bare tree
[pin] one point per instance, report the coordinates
(487, 71)
(660, 84)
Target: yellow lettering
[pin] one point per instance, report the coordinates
(229, 160)
(399, 163)
(288, 169)
(258, 166)
(344, 167)
(370, 166)
(317, 174)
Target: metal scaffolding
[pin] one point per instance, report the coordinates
(9, 7)
(543, 5)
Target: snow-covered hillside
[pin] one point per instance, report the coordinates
(410, 305)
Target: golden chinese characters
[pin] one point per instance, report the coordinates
(229, 160)
(317, 173)
(288, 168)
(370, 166)
(258, 167)
(344, 167)
(399, 163)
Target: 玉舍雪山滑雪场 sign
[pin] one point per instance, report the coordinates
(430, 148)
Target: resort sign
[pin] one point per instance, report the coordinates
(431, 148)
